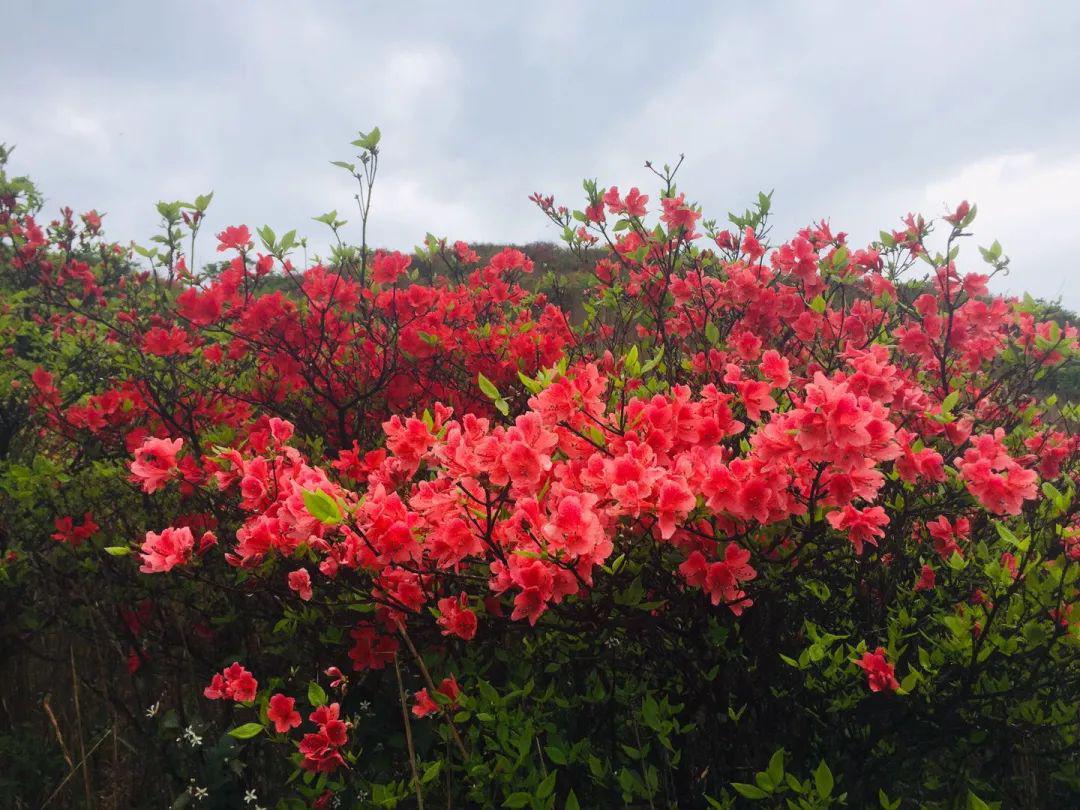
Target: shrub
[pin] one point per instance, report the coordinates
(775, 522)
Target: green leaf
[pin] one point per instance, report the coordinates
(266, 234)
(316, 695)
(975, 803)
(650, 713)
(819, 589)
(749, 791)
(776, 767)
(533, 386)
(170, 211)
(518, 799)
(431, 772)
(992, 253)
(246, 731)
(571, 801)
(712, 334)
(1006, 534)
(322, 507)
(368, 140)
(645, 369)
(823, 780)
(118, 551)
(970, 216)
(950, 401)
(487, 387)
(1055, 496)
(555, 754)
(547, 787)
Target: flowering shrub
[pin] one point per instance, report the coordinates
(758, 496)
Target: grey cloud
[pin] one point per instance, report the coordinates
(855, 112)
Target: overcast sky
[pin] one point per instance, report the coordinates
(857, 112)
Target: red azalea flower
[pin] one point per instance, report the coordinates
(282, 713)
(879, 672)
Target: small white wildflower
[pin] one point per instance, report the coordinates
(153, 710)
(365, 706)
(201, 793)
(194, 739)
(250, 796)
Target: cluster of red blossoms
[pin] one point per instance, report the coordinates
(879, 672)
(546, 497)
(322, 749)
(232, 683)
(426, 705)
(174, 546)
(76, 535)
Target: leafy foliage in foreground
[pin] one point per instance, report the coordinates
(780, 523)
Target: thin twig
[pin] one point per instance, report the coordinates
(432, 690)
(72, 772)
(87, 787)
(408, 735)
(56, 729)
